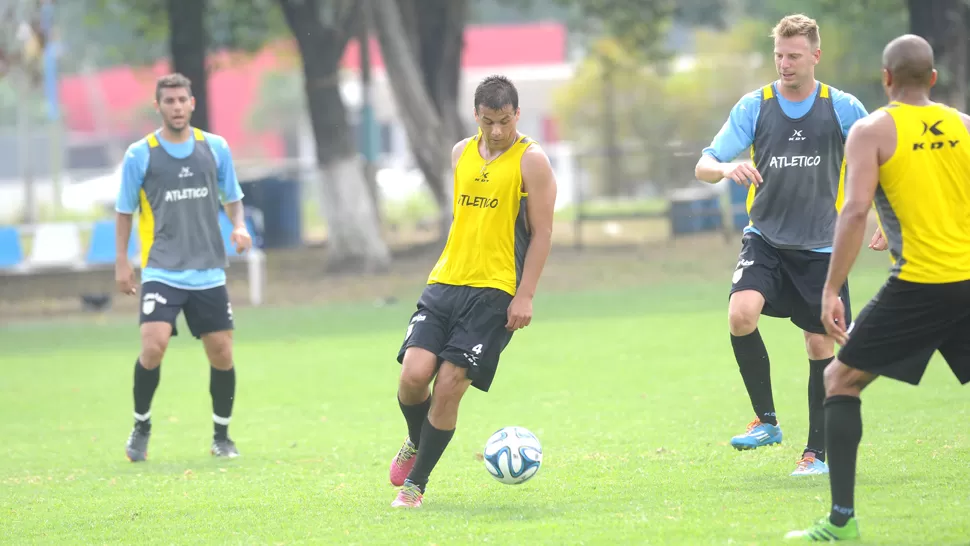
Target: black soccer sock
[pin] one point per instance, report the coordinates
(222, 387)
(146, 381)
(433, 444)
(415, 415)
(816, 407)
(843, 432)
(752, 357)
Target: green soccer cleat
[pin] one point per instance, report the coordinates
(825, 531)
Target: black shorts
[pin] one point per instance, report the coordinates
(206, 311)
(898, 331)
(463, 325)
(791, 281)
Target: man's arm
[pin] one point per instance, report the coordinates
(133, 169)
(540, 183)
(735, 136)
(849, 110)
(862, 151)
(230, 191)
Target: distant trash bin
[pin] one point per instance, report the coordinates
(739, 208)
(278, 200)
(695, 210)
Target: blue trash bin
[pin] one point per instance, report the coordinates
(278, 203)
(739, 209)
(693, 210)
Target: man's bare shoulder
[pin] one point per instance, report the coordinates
(872, 123)
(535, 157)
(965, 118)
(460, 146)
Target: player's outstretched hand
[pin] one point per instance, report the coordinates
(833, 317)
(744, 173)
(520, 313)
(878, 241)
(125, 278)
(240, 237)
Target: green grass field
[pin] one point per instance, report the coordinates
(633, 392)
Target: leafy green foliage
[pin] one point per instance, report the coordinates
(853, 37)
(112, 32)
(662, 121)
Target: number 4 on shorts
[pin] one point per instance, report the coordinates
(477, 349)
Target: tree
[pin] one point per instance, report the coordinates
(639, 26)
(191, 28)
(421, 41)
(662, 119)
(188, 41)
(853, 38)
(23, 40)
(321, 30)
(943, 23)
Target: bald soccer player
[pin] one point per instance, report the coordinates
(913, 158)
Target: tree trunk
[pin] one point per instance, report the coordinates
(415, 51)
(187, 44)
(441, 36)
(353, 230)
(943, 23)
(367, 123)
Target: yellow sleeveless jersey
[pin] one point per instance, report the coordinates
(489, 233)
(923, 197)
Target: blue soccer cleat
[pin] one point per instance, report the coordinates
(758, 435)
(810, 466)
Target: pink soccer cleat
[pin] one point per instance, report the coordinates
(402, 462)
(409, 496)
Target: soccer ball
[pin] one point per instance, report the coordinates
(513, 455)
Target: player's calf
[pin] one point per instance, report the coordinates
(418, 367)
(439, 427)
(222, 388)
(154, 342)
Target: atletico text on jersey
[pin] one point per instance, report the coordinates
(179, 213)
(800, 161)
(176, 189)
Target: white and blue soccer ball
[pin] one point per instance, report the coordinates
(513, 455)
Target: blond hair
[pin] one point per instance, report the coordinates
(798, 25)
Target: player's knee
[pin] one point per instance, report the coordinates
(154, 342)
(841, 380)
(417, 370)
(742, 320)
(744, 309)
(218, 348)
(451, 383)
(819, 346)
(152, 352)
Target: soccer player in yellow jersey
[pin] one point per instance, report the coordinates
(913, 157)
(481, 289)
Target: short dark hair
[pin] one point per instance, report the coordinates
(172, 81)
(496, 92)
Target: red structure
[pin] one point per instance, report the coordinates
(235, 80)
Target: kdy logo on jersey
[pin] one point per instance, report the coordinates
(797, 136)
(935, 131)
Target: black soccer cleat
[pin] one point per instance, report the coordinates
(137, 447)
(224, 447)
